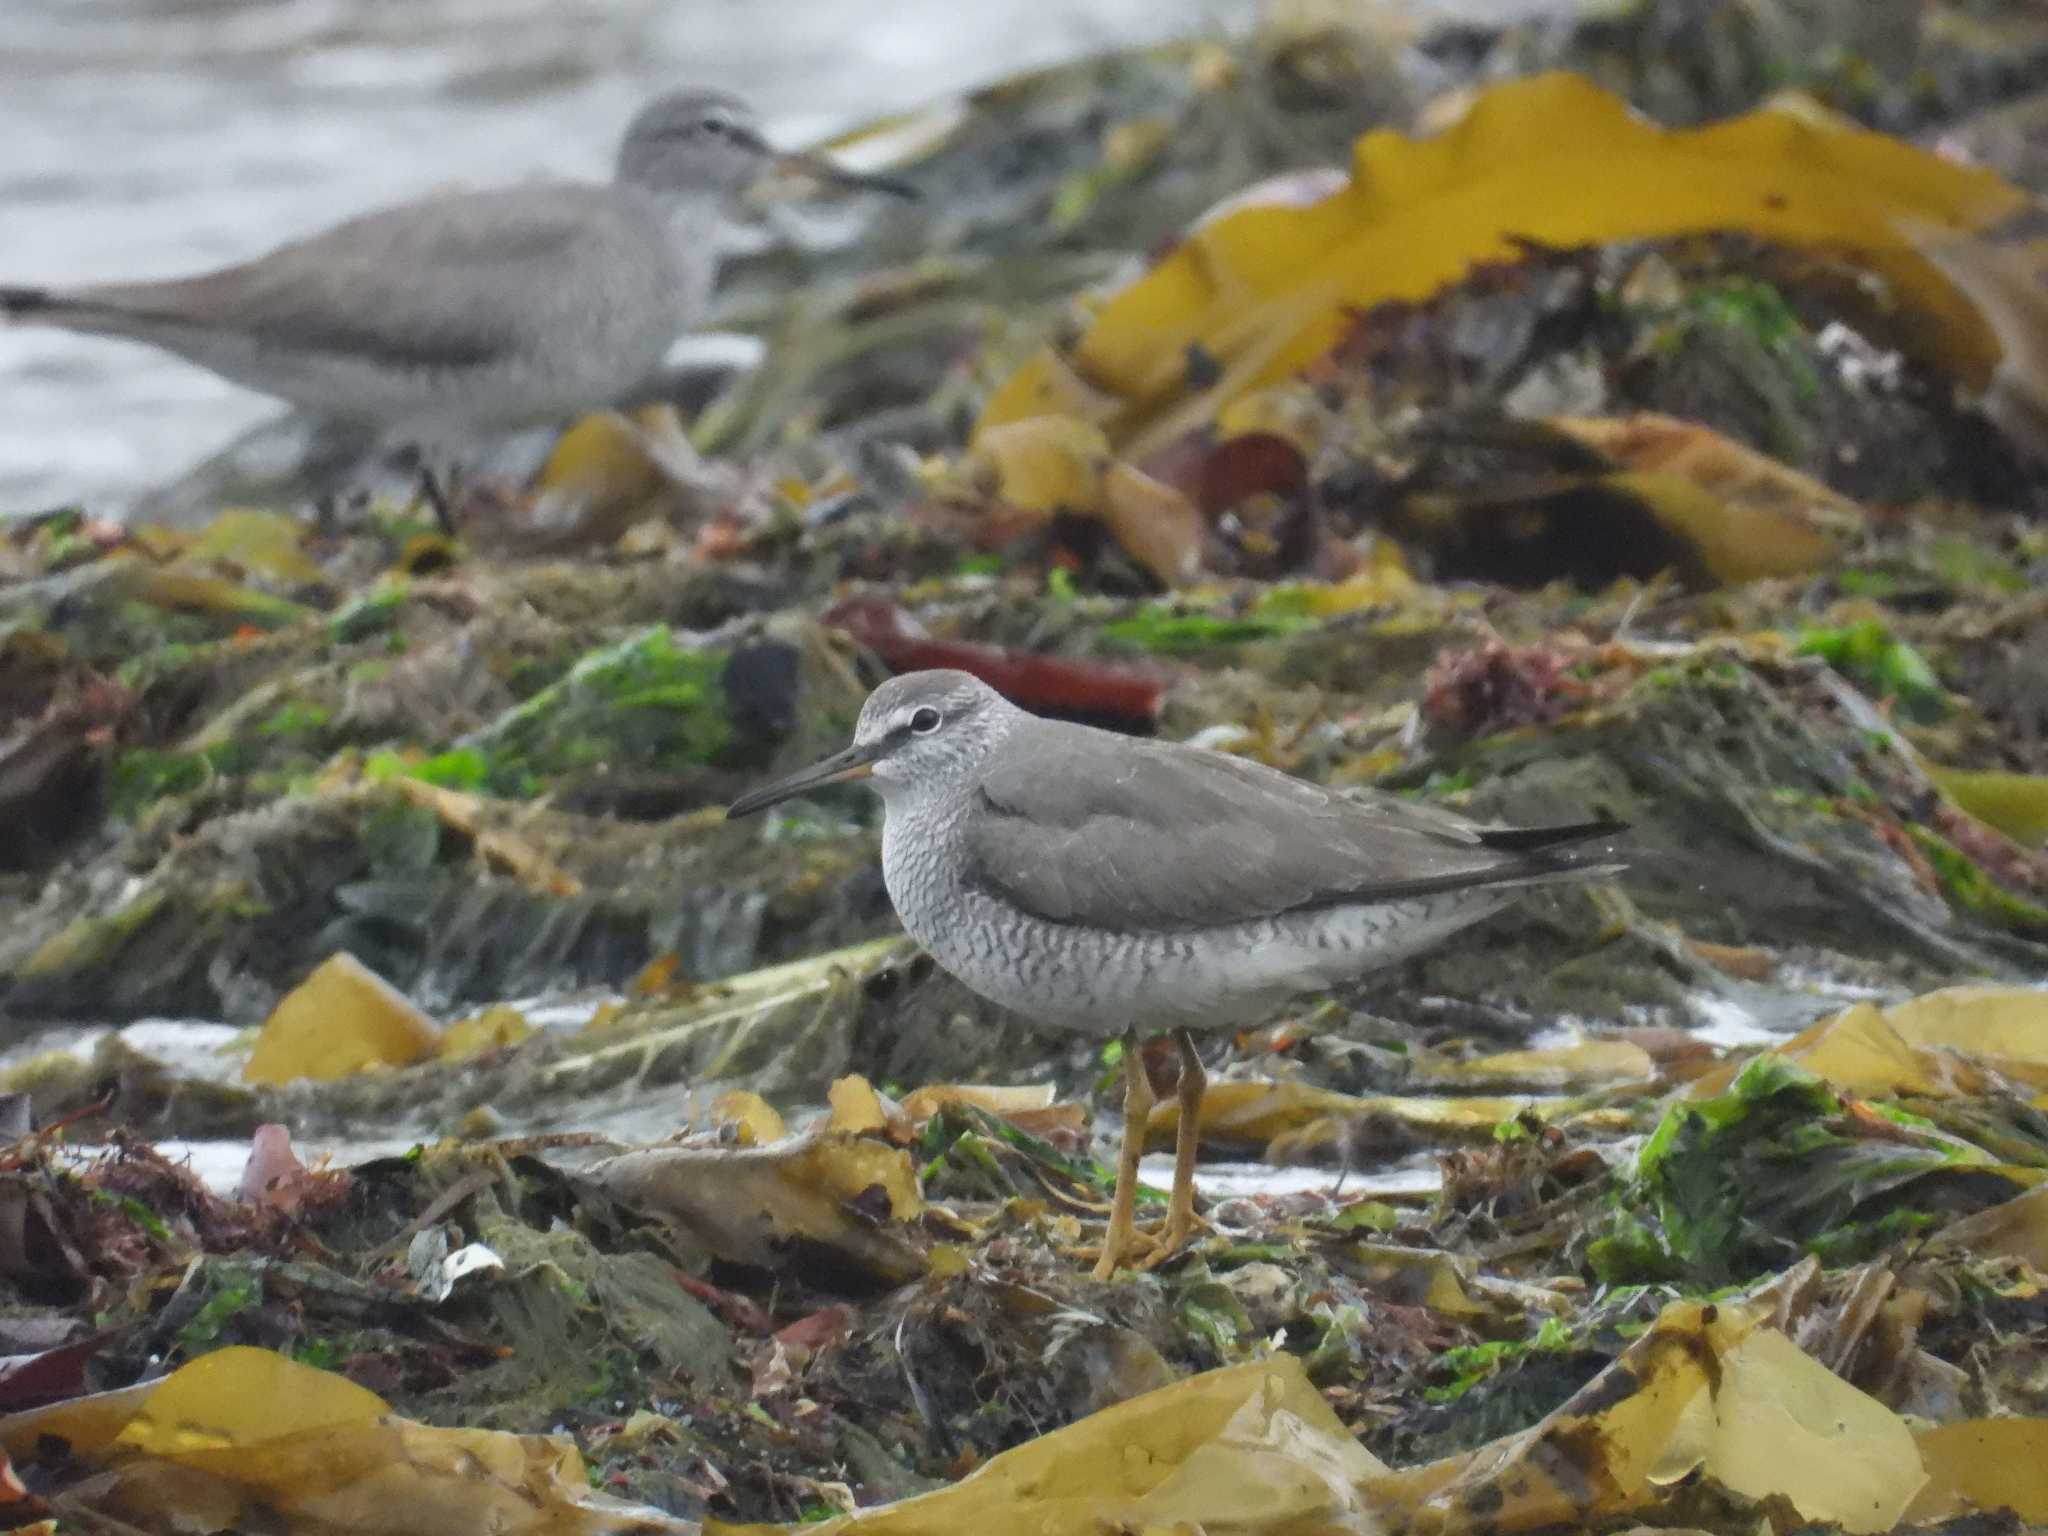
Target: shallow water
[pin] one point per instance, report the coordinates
(197, 1051)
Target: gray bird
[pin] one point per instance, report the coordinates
(469, 311)
(1104, 884)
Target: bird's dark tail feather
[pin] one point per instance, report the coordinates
(24, 302)
(1538, 839)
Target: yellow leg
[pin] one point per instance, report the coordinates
(1122, 1236)
(1181, 1221)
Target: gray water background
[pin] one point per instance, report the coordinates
(153, 138)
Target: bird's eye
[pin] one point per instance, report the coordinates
(924, 720)
(716, 126)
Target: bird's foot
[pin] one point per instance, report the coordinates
(1143, 1248)
(1172, 1239)
(1130, 1248)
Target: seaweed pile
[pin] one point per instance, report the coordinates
(1685, 465)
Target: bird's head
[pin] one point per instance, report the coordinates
(694, 143)
(922, 735)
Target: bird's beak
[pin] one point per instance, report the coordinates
(856, 762)
(821, 169)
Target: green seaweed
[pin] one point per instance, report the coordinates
(1734, 1186)
(1337, 1354)
(237, 1293)
(1078, 191)
(1371, 1215)
(141, 776)
(161, 661)
(324, 1353)
(1858, 582)
(274, 757)
(1869, 655)
(1164, 629)
(1441, 785)
(296, 717)
(1967, 563)
(461, 768)
(1747, 336)
(1966, 884)
(1210, 1311)
(644, 703)
(1469, 1364)
(952, 1126)
(375, 612)
(1855, 1241)
(1757, 313)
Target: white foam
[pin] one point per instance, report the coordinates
(1234, 1180)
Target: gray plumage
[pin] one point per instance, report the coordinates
(494, 309)
(1099, 882)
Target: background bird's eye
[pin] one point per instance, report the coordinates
(924, 720)
(713, 125)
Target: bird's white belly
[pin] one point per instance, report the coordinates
(1096, 982)
(510, 392)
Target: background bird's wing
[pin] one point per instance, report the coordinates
(1082, 827)
(445, 282)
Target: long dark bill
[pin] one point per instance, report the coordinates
(824, 170)
(856, 762)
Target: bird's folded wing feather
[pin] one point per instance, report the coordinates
(1083, 828)
(444, 282)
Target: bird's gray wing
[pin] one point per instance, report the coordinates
(444, 282)
(1078, 826)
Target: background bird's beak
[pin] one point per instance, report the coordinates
(856, 762)
(821, 169)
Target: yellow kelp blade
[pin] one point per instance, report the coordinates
(1552, 159)
(343, 1018)
(245, 1439)
(1938, 1045)
(1245, 1450)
